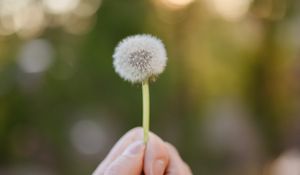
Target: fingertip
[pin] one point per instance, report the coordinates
(129, 137)
(136, 133)
(156, 156)
(130, 162)
(135, 130)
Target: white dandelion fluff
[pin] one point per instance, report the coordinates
(139, 57)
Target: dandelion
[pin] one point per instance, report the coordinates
(139, 59)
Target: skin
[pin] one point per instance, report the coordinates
(130, 156)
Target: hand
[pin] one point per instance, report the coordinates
(130, 156)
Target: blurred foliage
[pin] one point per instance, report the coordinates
(229, 99)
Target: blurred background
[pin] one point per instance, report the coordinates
(229, 99)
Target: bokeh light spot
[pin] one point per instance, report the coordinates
(36, 56)
(176, 4)
(231, 10)
(60, 6)
(87, 8)
(87, 137)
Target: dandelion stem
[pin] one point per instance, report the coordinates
(146, 109)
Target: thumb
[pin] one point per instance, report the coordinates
(130, 162)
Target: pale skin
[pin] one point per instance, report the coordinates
(130, 156)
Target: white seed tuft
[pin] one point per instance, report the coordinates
(139, 57)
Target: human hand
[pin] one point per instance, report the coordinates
(130, 156)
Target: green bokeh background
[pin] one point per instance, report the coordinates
(228, 99)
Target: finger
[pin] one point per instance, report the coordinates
(176, 165)
(131, 136)
(130, 162)
(156, 156)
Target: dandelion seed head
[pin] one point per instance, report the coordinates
(139, 57)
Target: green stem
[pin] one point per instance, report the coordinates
(146, 109)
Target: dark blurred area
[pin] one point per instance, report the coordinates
(229, 99)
